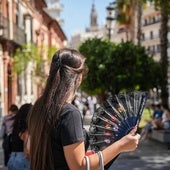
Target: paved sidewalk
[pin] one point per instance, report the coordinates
(1, 157)
(150, 155)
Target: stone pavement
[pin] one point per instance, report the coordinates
(150, 155)
(1, 157)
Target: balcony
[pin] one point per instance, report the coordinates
(18, 33)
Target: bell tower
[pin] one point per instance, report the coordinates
(93, 19)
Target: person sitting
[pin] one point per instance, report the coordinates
(154, 122)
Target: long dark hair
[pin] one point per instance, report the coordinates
(20, 124)
(66, 66)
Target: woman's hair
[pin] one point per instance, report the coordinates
(66, 66)
(20, 124)
(13, 108)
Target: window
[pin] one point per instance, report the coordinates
(143, 36)
(145, 22)
(158, 48)
(151, 34)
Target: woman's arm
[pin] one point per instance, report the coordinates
(75, 153)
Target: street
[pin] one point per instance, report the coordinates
(150, 155)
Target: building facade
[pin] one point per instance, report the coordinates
(24, 22)
(150, 34)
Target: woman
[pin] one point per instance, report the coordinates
(55, 125)
(18, 159)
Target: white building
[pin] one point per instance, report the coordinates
(54, 9)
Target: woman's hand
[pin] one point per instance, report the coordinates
(130, 141)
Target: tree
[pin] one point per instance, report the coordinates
(125, 16)
(117, 67)
(133, 69)
(98, 53)
(164, 7)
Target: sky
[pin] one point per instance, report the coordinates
(76, 14)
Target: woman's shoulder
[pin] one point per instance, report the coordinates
(69, 108)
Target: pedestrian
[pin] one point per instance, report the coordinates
(18, 159)
(6, 130)
(55, 125)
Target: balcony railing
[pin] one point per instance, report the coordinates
(18, 33)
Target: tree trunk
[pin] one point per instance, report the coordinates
(139, 26)
(132, 21)
(164, 56)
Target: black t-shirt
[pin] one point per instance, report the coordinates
(68, 130)
(17, 143)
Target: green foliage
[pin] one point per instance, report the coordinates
(98, 53)
(132, 68)
(51, 52)
(124, 11)
(22, 57)
(31, 53)
(118, 67)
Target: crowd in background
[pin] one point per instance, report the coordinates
(86, 104)
(159, 119)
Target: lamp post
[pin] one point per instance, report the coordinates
(111, 17)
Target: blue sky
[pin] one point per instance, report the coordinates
(76, 14)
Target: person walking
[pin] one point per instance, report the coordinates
(55, 125)
(19, 159)
(6, 130)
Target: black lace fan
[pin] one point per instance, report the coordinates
(116, 118)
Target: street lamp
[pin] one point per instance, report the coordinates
(111, 16)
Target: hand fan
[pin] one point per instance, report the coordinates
(116, 118)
